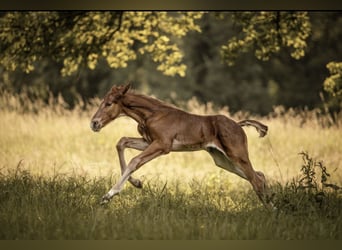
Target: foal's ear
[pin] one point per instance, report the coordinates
(125, 88)
(120, 90)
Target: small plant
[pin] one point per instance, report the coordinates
(311, 191)
(309, 177)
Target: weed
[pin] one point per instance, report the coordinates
(309, 175)
(307, 195)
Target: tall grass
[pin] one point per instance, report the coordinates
(54, 170)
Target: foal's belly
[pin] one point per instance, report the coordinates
(178, 145)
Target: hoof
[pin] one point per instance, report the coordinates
(136, 183)
(139, 184)
(105, 199)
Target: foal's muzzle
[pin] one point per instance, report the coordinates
(95, 125)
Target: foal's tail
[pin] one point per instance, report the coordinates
(261, 128)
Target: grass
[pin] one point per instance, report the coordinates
(54, 171)
(67, 208)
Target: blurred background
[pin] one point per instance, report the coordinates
(77, 55)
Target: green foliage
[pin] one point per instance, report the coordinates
(333, 83)
(75, 38)
(81, 38)
(26, 38)
(266, 33)
(163, 54)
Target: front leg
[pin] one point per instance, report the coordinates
(154, 150)
(130, 142)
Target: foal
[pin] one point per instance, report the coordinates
(164, 128)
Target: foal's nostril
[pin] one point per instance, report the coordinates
(94, 125)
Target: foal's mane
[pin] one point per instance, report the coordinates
(142, 101)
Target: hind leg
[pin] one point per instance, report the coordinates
(232, 142)
(258, 182)
(241, 166)
(255, 178)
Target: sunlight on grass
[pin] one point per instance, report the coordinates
(54, 170)
(48, 143)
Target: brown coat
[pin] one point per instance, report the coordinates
(166, 128)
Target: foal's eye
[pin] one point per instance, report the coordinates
(107, 104)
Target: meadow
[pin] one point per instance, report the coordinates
(54, 171)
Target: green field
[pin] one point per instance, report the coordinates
(54, 171)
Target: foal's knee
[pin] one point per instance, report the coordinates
(121, 145)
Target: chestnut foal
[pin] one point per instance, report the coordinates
(164, 128)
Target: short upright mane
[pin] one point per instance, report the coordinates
(139, 100)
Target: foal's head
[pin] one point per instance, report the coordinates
(110, 107)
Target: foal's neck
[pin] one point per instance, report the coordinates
(138, 107)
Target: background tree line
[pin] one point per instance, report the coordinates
(244, 60)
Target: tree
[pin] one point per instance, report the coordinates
(82, 38)
(75, 38)
(266, 33)
(333, 83)
(333, 86)
(94, 50)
